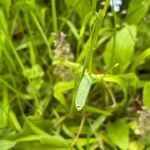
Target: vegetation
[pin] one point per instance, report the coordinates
(74, 74)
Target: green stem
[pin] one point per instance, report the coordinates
(54, 15)
(42, 33)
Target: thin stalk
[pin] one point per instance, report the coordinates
(42, 33)
(110, 94)
(79, 132)
(114, 33)
(54, 15)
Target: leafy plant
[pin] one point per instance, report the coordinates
(74, 74)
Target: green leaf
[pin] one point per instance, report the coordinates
(97, 123)
(124, 81)
(4, 109)
(51, 140)
(34, 72)
(120, 49)
(137, 10)
(118, 80)
(135, 145)
(6, 144)
(146, 95)
(3, 28)
(72, 28)
(59, 90)
(86, 4)
(6, 5)
(83, 91)
(14, 120)
(97, 110)
(95, 26)
(118, 133)
(44, 137)
(141, 58)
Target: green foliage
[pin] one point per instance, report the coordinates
(118, 132)
(146, 95)
(74, 75)
(59, 90)
(6, 144)
(79, 8)
(137, 10)
(118, 52)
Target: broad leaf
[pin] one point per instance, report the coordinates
(59, 90)
(120, 49)
(118, 133)
(136, 11)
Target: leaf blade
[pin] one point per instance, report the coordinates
(6, 144)
(118, 132)
(123, 49)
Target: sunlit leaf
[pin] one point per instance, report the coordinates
(135, 145)
(118, 132)
(6, 144)
(141, 58)
(120, 49)
(34, 72)
(59, 90)
(136, 11)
